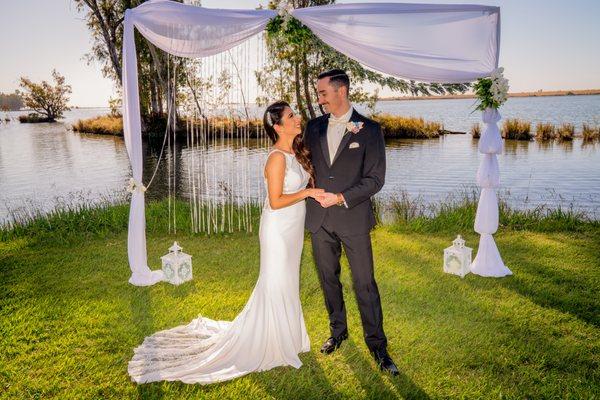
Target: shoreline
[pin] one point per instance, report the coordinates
(540, 93)
(549, 93)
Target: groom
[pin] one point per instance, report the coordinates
(348, 156)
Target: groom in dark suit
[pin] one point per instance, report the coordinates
(348, 156)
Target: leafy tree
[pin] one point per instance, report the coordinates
(46, 99)
(11, 102)
(105, 23)
(295, 52)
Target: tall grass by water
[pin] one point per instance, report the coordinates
(545, 131)
(74, 219)
(476, 130)
(590, 133)
(101, 125)
(516, 129)
(113, 125)
(565, 132)
(395, 126)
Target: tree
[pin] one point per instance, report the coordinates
(105, 23)
(11, 102)
(46, 99)
(296, 53)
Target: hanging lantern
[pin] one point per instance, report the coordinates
(457, 258)
(176, 265)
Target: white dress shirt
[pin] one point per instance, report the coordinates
(336, 128)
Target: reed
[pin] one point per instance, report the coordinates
(516, 129)
(113, 125)
(590, 133)
(476, 130)
(565, 132)
(72, 223)
(396, 127)
(545, 131)
(102, 125)
(457, 212)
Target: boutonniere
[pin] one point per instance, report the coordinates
(354, 127)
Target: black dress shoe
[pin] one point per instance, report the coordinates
(385, 362)
(333, 343)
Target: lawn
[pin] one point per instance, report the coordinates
(69, 320)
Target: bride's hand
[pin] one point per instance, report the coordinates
(314, 192)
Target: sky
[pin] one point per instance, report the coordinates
(545, 45)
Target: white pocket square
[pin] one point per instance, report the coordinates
(354, 145)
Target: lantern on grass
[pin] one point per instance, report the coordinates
(457, 258)
(176, 265)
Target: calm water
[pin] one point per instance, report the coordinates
(45, 165)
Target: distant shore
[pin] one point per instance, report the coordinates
(539, 93)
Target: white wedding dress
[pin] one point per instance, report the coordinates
(269, 331)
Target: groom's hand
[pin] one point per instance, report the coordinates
(327, 199)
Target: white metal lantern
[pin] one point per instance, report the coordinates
(176, 265)
(457, 258)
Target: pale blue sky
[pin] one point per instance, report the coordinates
(547, 45)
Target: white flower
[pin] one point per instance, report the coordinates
(284, 9)
(354, 127)
(499, 86)
(497, 91)
(135, 185)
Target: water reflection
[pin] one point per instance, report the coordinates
(41, 162)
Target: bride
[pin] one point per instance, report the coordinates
(269, 331)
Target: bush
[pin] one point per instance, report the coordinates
(394, 126)
(516, 129)
(33, 118)
(545, 131)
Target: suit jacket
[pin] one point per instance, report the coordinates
(357, 171)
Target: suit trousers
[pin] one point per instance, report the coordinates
(327, 249)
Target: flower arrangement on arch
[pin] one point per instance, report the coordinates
(492, 91)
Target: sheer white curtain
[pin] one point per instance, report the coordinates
(424, 42)
(185, 31)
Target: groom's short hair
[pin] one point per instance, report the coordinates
(337, 78)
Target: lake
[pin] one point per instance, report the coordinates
(46, 165)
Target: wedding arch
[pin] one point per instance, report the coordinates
(437, 43)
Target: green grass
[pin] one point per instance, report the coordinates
(69, 320)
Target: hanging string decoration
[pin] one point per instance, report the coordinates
(220, 161)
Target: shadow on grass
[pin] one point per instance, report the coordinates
(143, 323)
(550, 283)
(308, 382)
(377, 384)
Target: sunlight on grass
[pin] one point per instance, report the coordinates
(70, 320)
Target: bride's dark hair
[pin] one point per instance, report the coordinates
(273, 116)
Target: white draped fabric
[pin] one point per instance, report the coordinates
(445, 43)
(488, 261)
(423, 42)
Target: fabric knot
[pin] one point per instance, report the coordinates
(135, 185)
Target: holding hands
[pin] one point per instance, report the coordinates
(326, 199)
